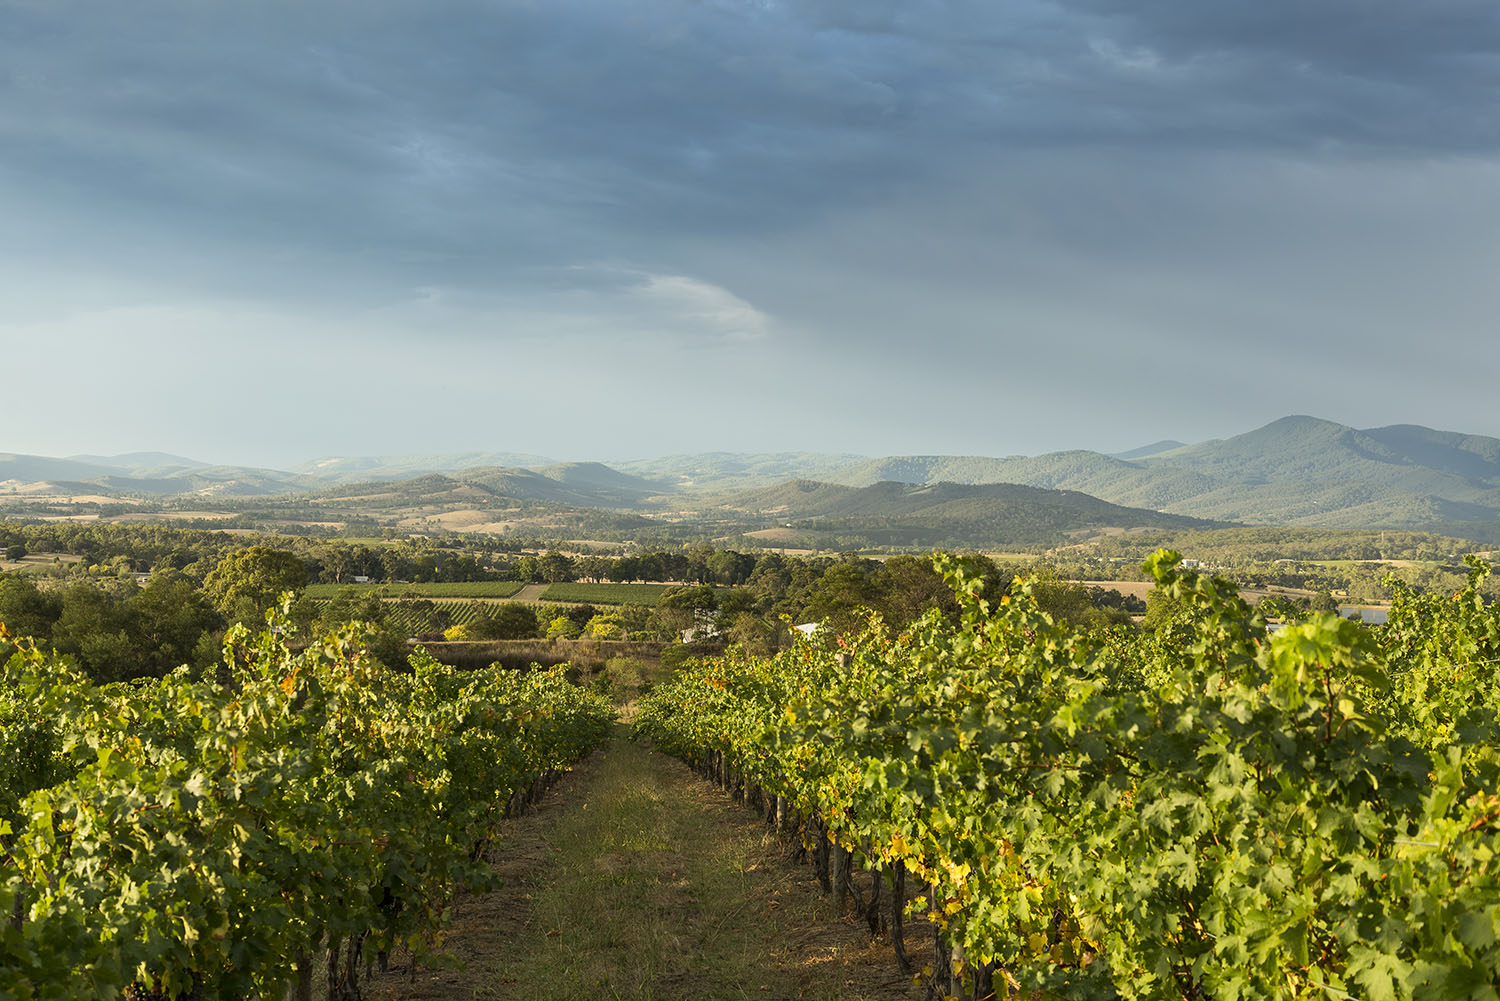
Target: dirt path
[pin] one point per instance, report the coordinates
(531, 592)
(637, 880)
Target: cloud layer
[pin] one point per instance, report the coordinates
(933, 226)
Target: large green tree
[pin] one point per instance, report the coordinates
(254, 576)
(25, 610)
(174, 624)
(509, 620)
(555, 567)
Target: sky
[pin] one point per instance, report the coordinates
(266, 232)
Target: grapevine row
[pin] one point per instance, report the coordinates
(210, 838)
(1210, 811)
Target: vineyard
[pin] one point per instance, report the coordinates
(1210, 810)
(221, 838)
(1213, 810)
(423, 617)
(607, 594)
(459, 589)
(420, 618)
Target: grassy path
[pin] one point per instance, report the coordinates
(531, 593)
(637, 880)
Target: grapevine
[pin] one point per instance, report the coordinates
(1210, 811)
(197, 838)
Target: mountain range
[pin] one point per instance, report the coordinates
(1295, 471)
(1299, 470)
(939, 514)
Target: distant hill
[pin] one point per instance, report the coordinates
(1295, 471)
(148, 464)
(1119, 481)
(354, 469)
(577, 484)
(1299, 471)
(716, 472)
(997, 514)
(602, 481)
(150, 474)
(378, 495)
(238, 481)
(480, 500)
(1307, 471)
(1154, 448)
(34, 468)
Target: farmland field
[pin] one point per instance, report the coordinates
(607, 594)
(469, 589)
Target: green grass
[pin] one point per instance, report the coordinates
(471, 589)
(607, 594)
(643, 883)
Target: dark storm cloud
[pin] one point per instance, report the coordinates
(1415, 77)
(451, 126)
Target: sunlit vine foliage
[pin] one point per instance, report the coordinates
(204, 837)
(1207, 810)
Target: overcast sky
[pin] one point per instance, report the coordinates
(603, 229)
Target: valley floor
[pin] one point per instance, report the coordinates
(637, 880)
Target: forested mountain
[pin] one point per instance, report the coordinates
(720, 471)
(581, 484)
(1116, 480)
(32, 468)
(153, 474)
(600, 479)
(356, 469)
(1297, 471)
(1155, 448)
(996, 514)
(147, 464)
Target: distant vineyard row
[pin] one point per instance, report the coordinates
(607, 594)
(578, 593)
(470, 589)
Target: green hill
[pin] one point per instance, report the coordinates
(716, 472)
(969, 515)
(1307, 471)
(368, 468)
(1155, 448)
(384, 495)
(585, 484)
(1295, 471)
(1299, 470)
(36, 468)
(144, 474)
(150, 465)
(1122, 482)
(607, 485)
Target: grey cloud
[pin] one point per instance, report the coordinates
(454, 126)
(903, 187)
(1412, 77)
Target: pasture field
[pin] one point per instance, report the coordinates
(468, 589)
(607, 594)
(1138, 588)
(36, 562)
